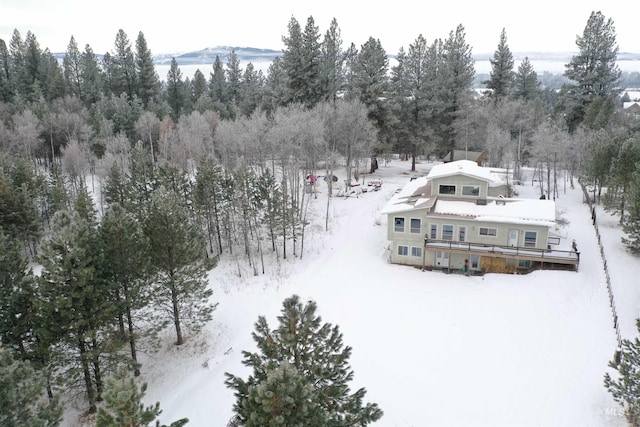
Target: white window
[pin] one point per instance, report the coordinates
(484, 231)
(416, 251)
(447, 232)
(470, 190)
(416, 225)
(530, 238)
(399, 224)
(462, 234)
(433, 234)
(403, 250)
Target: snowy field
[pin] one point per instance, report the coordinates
(432, 349)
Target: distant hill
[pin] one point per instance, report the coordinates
(208, 55)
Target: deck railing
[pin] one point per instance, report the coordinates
(572, 256)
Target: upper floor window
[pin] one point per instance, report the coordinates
(530, 238)
(462, 233)
(470, 190)
(447, 189)
(398, 224)
(415, 225)
(433, 234)
(484, 231)
(447, 232)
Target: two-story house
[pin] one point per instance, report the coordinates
(460, 213)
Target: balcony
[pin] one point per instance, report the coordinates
(549, 256)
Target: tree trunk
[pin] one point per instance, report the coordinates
(176, 311)
(91, 395)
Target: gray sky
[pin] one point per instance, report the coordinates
(187, 25)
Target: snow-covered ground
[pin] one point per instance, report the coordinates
(432, 349)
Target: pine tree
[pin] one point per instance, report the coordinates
(72, 69)
(620, 178)
(123, 405)
(632, 220)
(74, 306)
(17, 293)
(148, 87)
(456, 82)
(626, 387)
(178, 255)
(284, 398)
(123, 67)
(305, 357)
(91, 86)
(370, 83)
(176, 90)
(126, 267)
(593, 69)
(332, 63)
(22, 399)
(525, 84)
(501, 76)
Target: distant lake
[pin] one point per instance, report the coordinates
(553, 66)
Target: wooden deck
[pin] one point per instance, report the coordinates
(551, 256)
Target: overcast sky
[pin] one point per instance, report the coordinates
(186, 25)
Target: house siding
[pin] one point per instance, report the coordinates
(498, 259)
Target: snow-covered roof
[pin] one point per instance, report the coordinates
(467, 168)
(414, 195)
(512, 211)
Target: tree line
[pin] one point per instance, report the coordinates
(125, 189)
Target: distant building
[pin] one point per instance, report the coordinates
(632, 107)
(457, 215)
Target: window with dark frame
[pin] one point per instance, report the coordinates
(530, 239)
(416, 225)
(447, 189)
(485, 231)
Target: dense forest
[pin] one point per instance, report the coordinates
(120, 190)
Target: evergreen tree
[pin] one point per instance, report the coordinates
(219, 88)
(455, 84)
(623, 166)
(593, 69)
(632, 220)
(17, 293)
(126, 268)
(123, 67)
(176, 90)
(234, 77)
(91, 85)
(74, 305)
(6, 90)
(302, 357)
(251, 88)
(72, 69)
(370, 83)
(22, 400)
(332, 63)
(625, 389)
(148, 83)
(415, 95)
(178, 255)
(525, 83)
(123, 405)
(501, 76)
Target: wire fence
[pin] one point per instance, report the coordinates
(612, 302)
